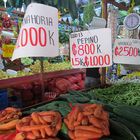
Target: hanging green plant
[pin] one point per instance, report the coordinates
(88, 13)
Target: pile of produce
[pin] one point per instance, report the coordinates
(36, 68)
(8, 118)
(4, 75)
(128, 93)
(124, 122)
(133, 77)
(48, 67)
(64, 84)
(39, 125)
(88, 121)
(124, 119)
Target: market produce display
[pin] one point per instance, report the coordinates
(36, 67)
(133, 77)
(127, 93)
(65, 83)
(39, 125)
(123, 119)
(87, 121)
(8, 118)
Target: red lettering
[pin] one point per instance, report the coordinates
(33, 34)
(107, 59)
(92, 48)
(42, 37)
(75, 61)
(101, 60)
(24, 37)
(95, 60)
(80, 50)
(87, 49)
(135, 52)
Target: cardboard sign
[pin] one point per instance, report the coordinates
(126, 51)
(7, 50)
(39, 33)
(92, 48)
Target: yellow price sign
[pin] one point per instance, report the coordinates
(7, 50)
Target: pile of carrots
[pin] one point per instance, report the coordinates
(8, 118)
(87, 122)
(40, 125)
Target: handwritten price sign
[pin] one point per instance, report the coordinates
(7, 50)
(39, 32)
(91, 48)
(127, 51)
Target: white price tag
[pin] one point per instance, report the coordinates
(127, 51)
(39, 33)
(92, 48)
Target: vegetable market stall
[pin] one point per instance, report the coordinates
(27, 89)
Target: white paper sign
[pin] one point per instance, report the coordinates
(39, 33)
(126, 51)
(92, 48)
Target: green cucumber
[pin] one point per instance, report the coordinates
(121, 130)
(132, 126)
(128, 114)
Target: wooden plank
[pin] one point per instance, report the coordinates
(103, 70)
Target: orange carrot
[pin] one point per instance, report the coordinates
(75, 112)
(54, 132)
(85, 121)
(98, 111)
(42, 121)
(48, 130)
(79, 117)
(59, 123)
(9, 125)
(48, 113)
(96, 122)
(76, 123)
(48, 119)
(89, 128)
(30, 136)
(11, 109)
(19, 125)
(30, 128)
(81, 138)
(89, 106)
(105, 116)
(105, 128)
(4, 117)
(35, 132)
(87, 113)
(66, 121)
(20, 136)
(71, 135)
(87, 134)
(35, 117)
(42, 133)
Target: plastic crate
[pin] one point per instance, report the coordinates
(3, 99)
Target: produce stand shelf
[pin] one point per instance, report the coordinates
(7, 83)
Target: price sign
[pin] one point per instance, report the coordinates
(7, 50)
(39, 33)
(126, 51)
(92, 48)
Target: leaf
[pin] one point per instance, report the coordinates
(55, 2)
